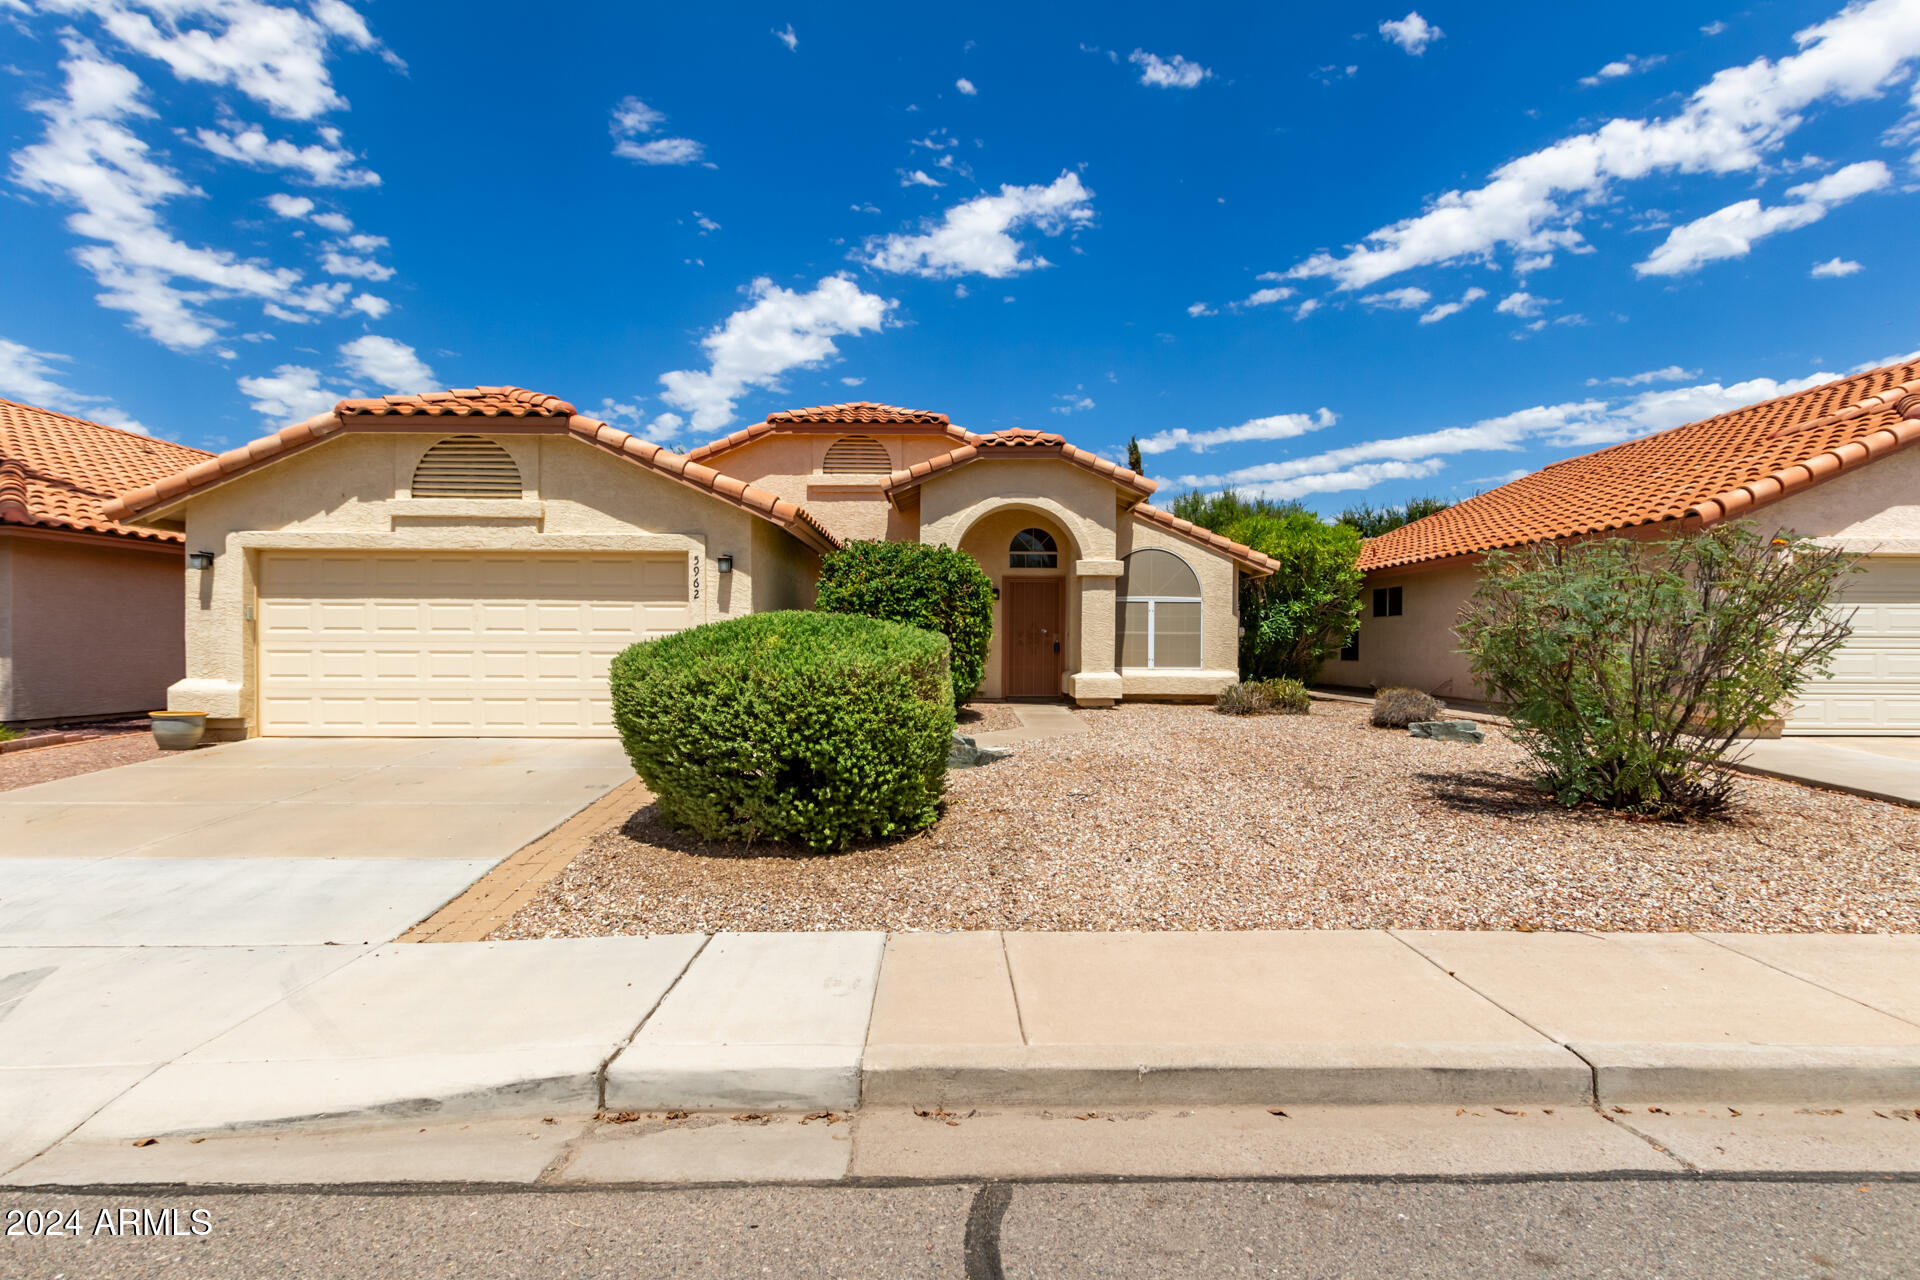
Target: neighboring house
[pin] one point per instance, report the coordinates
(1831, 463)
(89, 607)
(467, 562)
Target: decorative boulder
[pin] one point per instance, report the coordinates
(964, 753)
(1448, 730)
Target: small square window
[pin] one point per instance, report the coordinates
(1386, 602)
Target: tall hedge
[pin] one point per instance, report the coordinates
(815, 728)
(935, 588)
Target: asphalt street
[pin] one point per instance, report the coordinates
(1865, 1226)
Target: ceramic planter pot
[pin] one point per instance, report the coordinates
(178, 730)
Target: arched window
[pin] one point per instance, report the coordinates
(466, 467)
(1159, 604)
(856, 455)
(1033, 549)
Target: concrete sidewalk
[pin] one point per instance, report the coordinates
(1878, 768)
(106, 1047)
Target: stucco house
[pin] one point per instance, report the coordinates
(1832, 463)
(467, 562)
(89, 607)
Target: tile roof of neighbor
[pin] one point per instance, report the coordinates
(1013, 443)
(491, 402)
(1719, 468)
(830, 416)
(1258, 562)
(58, 471)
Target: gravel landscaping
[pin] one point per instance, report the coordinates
(1173, 817)
(107, 746)
(987, 717)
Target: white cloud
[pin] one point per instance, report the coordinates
(26, 376)
(372, 306)
(851, 382)
(91, 158)
(336, 263)
(707, 225)
(1201, 309)
(1833, 268)
(1446, 309)
(1406, 299)
(633, 120)
(1729, 125)
(338, 222)
(965, 86)
(324, 164)
(1412, 33)
(1283, 426)
(391, 364)
(1730, 232)
(1621, 67)
(1521, 303)
(1267, 296)
(1168, 73)
(960, 290)
(787, 38)
(1671, 373)
(975, 238)
(778, 330)
(1306, 308)
(291, 394)
(1713, 28)
(276, 56)
(1074, 403)
(289, 206)
(919, 178)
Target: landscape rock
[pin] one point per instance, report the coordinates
(964, 753)
(1448, 730)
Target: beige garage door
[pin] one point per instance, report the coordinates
(454, 644)
(1875, 685)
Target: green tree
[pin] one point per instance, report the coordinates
(1294, 620)
(1629, 668)
(1372, 521)
(931, 587)
(1134, 462)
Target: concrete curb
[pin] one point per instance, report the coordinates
(1224, 1075)
(1796, 1074)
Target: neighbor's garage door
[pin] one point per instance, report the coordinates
(454, 644)
(1875, 685)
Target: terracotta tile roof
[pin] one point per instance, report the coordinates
(58, 471)
(1719, 468)
(833, 417)
(545, 411)
(1258, 563)
(467, 402)
(1023, 443)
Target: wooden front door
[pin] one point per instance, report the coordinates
(1034, 650)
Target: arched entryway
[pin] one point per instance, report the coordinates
(1030, 559)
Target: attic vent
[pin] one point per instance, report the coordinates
(857, 455)
(466, 467)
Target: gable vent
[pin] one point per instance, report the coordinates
(857, 455)
(466, 467)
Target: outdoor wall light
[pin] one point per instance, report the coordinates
(199, 559)
(723, 563)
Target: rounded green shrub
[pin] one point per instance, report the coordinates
(1287, 697)
(935, 588)
(816, 728)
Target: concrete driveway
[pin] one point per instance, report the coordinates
(1879, 768)
(282, 841)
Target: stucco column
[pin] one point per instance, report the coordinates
(1097, 682)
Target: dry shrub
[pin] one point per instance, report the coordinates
(1397, 708)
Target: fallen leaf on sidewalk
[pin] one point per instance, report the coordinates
(829, 1116)
(1731, 1111)
(1275, 1111)
(1503, 1111)
(145, 1142)
(619, 1117)
(754, 1117)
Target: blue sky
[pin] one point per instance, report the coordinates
(1347, 253)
